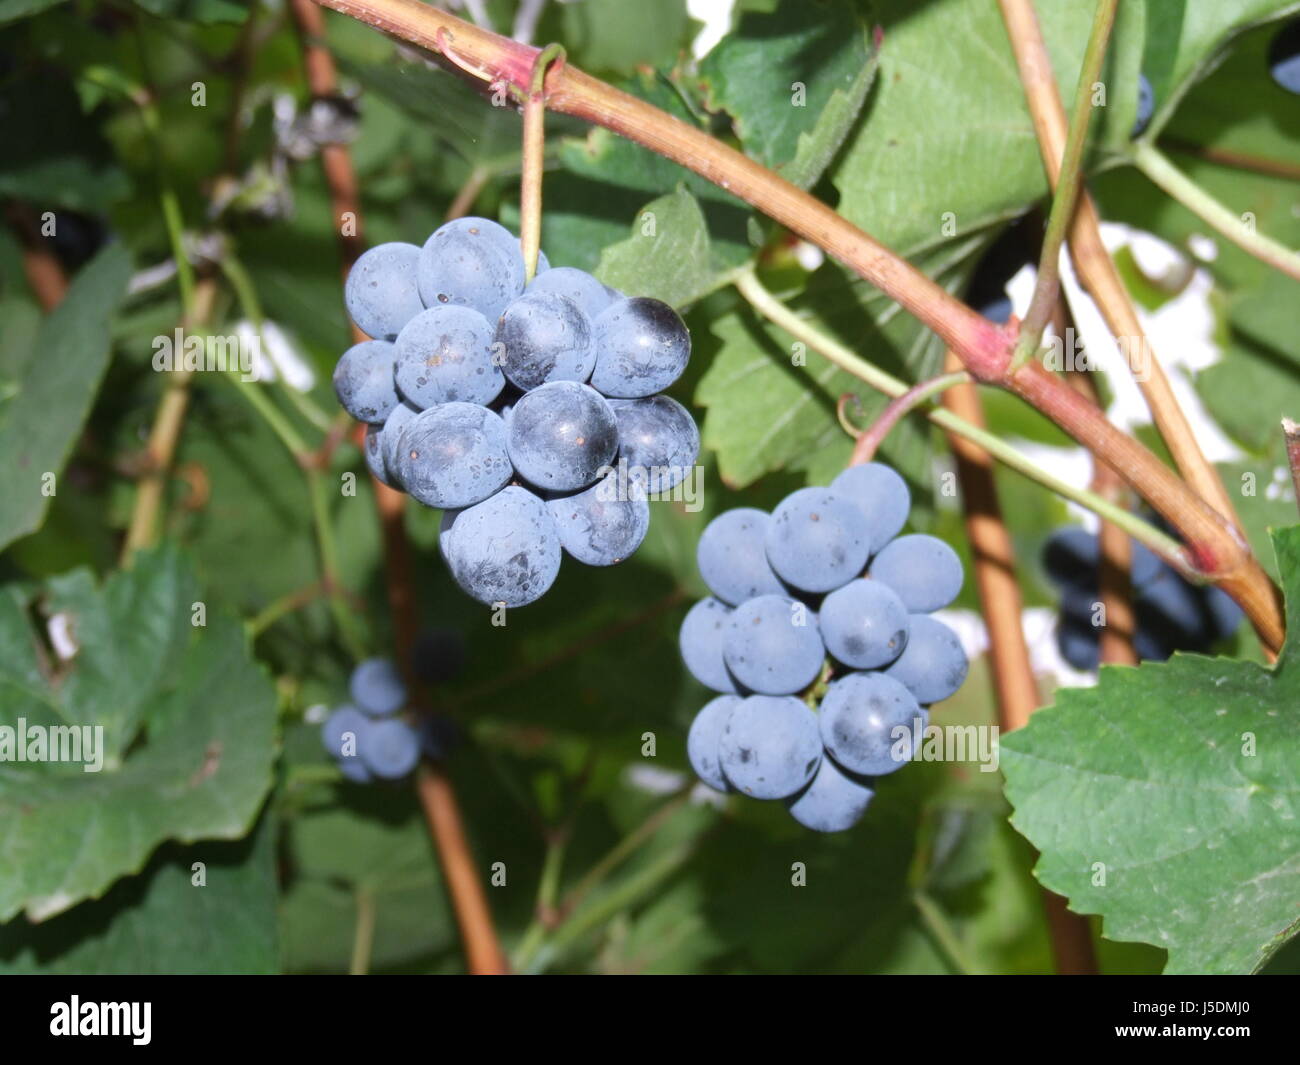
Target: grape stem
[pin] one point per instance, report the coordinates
(534, 158)
(437, 796)
(1066, 194)
(994, 561)
(870, 439)
(771, 308)
(363, 937)
(1172, 181)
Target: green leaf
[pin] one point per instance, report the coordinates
(767, 411)
(794, 81)
(615, 37)
(13, 10)
(948, 103)
(188, 732)
(669, 255)
(163, 921)
(1206, 750)
(204, 11)
(42, 414)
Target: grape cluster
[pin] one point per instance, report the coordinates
(365, 738)
(1172, 615)
(793, 614)
(530, 415)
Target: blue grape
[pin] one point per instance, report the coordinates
(772, 645)
(471, 262)
(924, 571)
(1144, 565)
(454, 455)
(363, 381)
(342, 731)
(864, 624)
(769, 747)
(354, 769)
(859, 715)
(1225, 614)
(444, 533)
(381, 291)
(391, 442)
(1173, 612)
(933, 665)
(1071, 557)
(658, 439)
(544, 337)
(998, 310)
(444, 355)
(561, 436)
(704, 737)
(1284, 57)
(732, 556)
(505, 549)
(577, 285)
(389, 748)
(598, 527)
(438, 735)
(377, 687)
(701, 637)
(1079, 643)
(833, 802)
(817, 540)
(1146, 106)
(374, 451)
(643, 347)
(438, 655)
(882, 496)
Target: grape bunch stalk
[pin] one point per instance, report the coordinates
(819, 640)
(529, 414)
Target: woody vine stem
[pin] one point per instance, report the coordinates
(1214, 548)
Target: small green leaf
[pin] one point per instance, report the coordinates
(42, 414)
(188, 732)
(669, 255)
(794, 81)
(1206, 750)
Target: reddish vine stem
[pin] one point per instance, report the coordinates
(984, 348)
(1013, 674)
(870, 439)
(1098, 274)
(40, 264)
(437, 796)
(1292, 432)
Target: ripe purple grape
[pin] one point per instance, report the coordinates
(769, 747)
(700, 640)
(445, 355)
(870, 723)
(363, 381)
(643, 347)
(454, 455)
(817, 540)
(732, 556)
(772, 645)
(382, 293)
(704, 738)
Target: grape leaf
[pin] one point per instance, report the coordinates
(42, 413)
(669, 255)
(12, 10)
(762, 413)
(188, 732)
(793, 80)
(162, 922)
(1206, 749)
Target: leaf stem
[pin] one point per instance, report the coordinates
(1157, 166)
(766, 304)
(1066, 194)
(534, 158)
(363, 937)
(936, 923)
